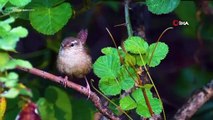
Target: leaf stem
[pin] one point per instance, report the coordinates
(158, 42)
(113, 40)
(147, 102)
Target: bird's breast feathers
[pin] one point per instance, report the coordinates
(72, 63)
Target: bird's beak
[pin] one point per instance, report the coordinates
(62, 45)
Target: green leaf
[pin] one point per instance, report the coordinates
(109, 86)
(130, 60)
(3, 79)
(2, 3)
(12, 75)
(4, 58)
(109, 50)
(11, 83)
(147, 86)
(10, 65)
(86, 110)
(162, 6)
(156, 106)
(127, 77)
(19, 31)
(53, 2)
(159, 53)
(107, 66)
(139, 61)
(142, 108)
(8, 37)
(61, 101)
(44, 3)
(25, 92)
(136, 45)
(46, 109)
(113, 51)
(19, 3)
(127, 103)
(9, 43)
(138, 96)
(12, 80)
(11, 93)
(5, 24)
(50, 20)
(22, 63)
(16, 62)
(143, 111)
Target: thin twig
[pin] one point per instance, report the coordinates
(195, 102)
(93, 96)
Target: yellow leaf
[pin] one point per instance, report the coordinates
(3, 104)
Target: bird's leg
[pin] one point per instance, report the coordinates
(64, 81)
(88, 87)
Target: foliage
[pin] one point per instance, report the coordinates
(50, 19)
(10, 86)
(162, 6)
(19, 3)
(55, 104)
(142, 108)
(47, 17)
(136, 45)
(8, 38)
(118, 71)
(160, 52)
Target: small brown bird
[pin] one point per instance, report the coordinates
(73, 59)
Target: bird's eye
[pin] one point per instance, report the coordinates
(72, 44)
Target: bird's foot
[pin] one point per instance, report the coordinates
(64, 81)
(88, 88)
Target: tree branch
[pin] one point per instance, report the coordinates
(195, 102)
(93, 96)
(127, 19)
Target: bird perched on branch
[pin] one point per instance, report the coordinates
(73, 58)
